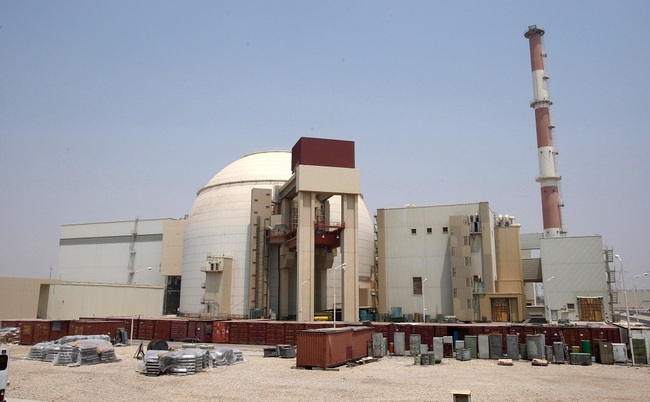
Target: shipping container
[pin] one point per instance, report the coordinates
(144, 329)
(221, 332)
(26, 332)
(41, 331)
(275, 333)
(292, 328)
(178, 330)
(331, 347)
(94, 327)
(257, 332)
(58, 329)
(239, 332)
(162, 330)
(199, 330)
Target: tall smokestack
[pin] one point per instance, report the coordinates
(548, 177)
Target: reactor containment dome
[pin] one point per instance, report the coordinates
(219, 223)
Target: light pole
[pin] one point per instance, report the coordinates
(627, 310)
(547, 300)
(301, 297)
(636, 304)
(424, 309)
(132, 316)
(342, 266)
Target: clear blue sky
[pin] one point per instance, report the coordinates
(112, 110)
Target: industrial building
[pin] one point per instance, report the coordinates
(450, 260)
(238, 254)
(122, 268)
(286, 234)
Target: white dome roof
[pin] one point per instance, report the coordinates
(259, 167)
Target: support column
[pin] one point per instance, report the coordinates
(305, 255)
(284, 293)
(350, 284)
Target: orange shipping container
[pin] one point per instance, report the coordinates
(330, 347)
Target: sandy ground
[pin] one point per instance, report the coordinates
(391, 378)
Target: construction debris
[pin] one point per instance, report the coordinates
(74, 353)
(10, 335)
(187, 361)
(363, 360)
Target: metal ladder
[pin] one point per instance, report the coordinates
(565, 348)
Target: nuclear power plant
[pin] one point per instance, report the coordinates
(286, 235)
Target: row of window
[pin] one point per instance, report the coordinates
(417, 285)
(467, 261)
(445, 230)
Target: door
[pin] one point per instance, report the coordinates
(500, 310)
(590, 308)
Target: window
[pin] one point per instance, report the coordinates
(469, 303)
(429, 231)
(445, 230)
(466, 240)
(455, 292)
(570, 306)
(414, 231)
(468, 282)
(417, 285)
(453, 251)
(452, 232)
(468, 261)
(453, 271)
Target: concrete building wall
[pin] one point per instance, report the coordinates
(110, 252)
(69, 301)
(573, 268)
(414, 243)
(510, 277)
(171, 260)
(21, 298)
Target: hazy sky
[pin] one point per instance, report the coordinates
(112, 110)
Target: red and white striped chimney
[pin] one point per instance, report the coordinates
(548, 177)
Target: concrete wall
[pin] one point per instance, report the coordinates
(425, 253)
(171, 263)
(108, 252)
(68, 301)
(573, 267)
(20, 297)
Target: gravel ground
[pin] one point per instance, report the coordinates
(391, 378)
